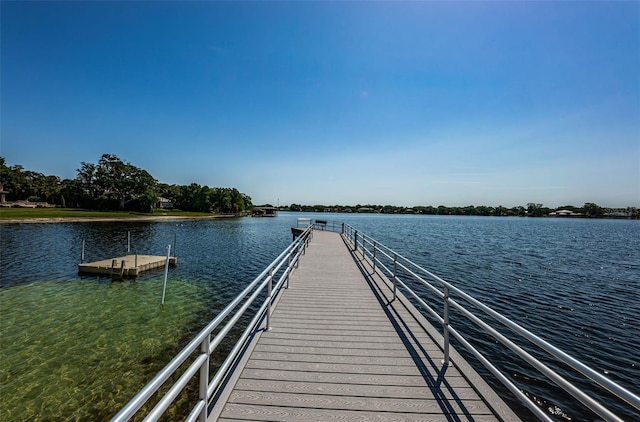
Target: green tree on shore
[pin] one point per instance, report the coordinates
(592, 210)
(113, 184)
(114, 180)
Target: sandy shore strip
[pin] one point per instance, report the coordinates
(112, 219)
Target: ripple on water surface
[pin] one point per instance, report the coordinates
(114, 336)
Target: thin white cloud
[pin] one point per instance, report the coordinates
(532, 188)
(215, 49)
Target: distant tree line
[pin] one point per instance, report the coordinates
(589, 210)
(112, 184)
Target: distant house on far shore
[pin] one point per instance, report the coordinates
(165, 204)
(565, 213)
(264, 212)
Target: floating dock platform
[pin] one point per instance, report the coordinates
(125, 266)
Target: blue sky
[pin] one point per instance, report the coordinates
(403, 103)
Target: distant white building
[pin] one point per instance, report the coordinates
(619, 214)
(565, 213)
(164, 203)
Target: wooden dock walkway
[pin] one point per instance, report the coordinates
(340, 348)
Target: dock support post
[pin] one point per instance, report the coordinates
(269, 287)
(113, 265)
(82, 253)
(128, 243)
(166, 272)
(445, 327)
(395, 278)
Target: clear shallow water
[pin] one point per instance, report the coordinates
(76, 348)
(574, 282)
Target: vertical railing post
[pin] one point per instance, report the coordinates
(204, 377)
(355, 241)
(445, 326)
(269, 287)
(395, 275)
(374, 256)
(286, 286)
(297, 263)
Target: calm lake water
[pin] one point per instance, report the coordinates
(79, 348)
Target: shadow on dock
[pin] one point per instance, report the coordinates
(403, 316)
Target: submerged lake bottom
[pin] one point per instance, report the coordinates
(79, 348)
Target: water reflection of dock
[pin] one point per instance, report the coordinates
(125, 266)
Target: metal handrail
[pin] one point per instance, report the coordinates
(387, 262)
(204, 345)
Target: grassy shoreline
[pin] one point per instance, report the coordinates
(52, 215)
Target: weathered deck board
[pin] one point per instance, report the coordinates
(240, 412)
(339, 349)
(349, 378)
(356, 390)
(340, 402)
